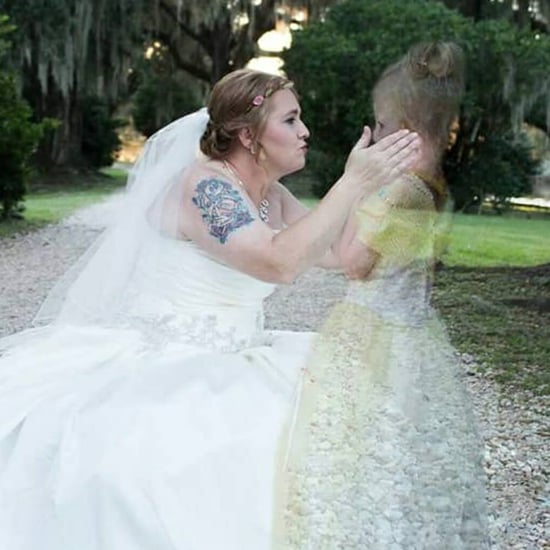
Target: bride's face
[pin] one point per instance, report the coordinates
(284, 138)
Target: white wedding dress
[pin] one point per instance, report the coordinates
(158, 431)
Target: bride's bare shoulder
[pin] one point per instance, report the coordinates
(204, 168)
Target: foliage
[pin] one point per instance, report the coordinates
(6, 28)
(19, 136)
(100, 140)
(70, 45)
(162, 94)
(502, 167)
(18, 139)
(67, 50)
(336, 63)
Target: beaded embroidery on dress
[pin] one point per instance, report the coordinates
(383, 451)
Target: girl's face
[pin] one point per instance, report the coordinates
(386, 119)
(284, 137)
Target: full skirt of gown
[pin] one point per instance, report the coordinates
(160, 431)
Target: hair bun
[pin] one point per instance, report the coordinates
(437, 60)
(215, 142)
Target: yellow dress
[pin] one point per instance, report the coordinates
(382, 452)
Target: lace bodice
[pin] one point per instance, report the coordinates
(179, 294)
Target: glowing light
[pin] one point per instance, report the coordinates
(241, 20)
(300, 15)
(150, 51)
(271, 65)
(275, 41)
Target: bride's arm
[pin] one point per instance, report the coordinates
(222, 221)
(219, 218)
(347, 252)
(292, 210)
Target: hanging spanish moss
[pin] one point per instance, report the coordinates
(67, 51)
(77, 44)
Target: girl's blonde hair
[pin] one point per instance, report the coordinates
(424, 89)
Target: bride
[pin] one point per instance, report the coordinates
(148, 413)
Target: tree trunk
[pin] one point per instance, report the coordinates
(220, 39)
(67, 149)
(468, 8)
(522, 16)
(62, 147)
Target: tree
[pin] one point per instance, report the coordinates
(335, 64)
(67, 52)
(508, 82)
(73, 53)
(208, 38)
(534, 14)
(189, 47)
(163, 93)
(192, 44)
(18, 135)
(507, 79)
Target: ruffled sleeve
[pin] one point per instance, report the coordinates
(399, 221)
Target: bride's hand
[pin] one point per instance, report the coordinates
(377, 165)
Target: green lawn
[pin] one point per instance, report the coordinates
(498, 241)
(494, 294)
(495, 302)
(491, 240)
(50, 203)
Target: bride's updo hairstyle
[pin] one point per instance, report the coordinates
(239, 100)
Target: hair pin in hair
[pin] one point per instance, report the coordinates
(258, 100)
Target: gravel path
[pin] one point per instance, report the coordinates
(515, 427)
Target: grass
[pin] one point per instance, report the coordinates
(482, 241)
(51, 202)
(489, 240)
(494, 295)
(502, 317)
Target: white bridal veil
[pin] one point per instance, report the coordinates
(91, 291)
